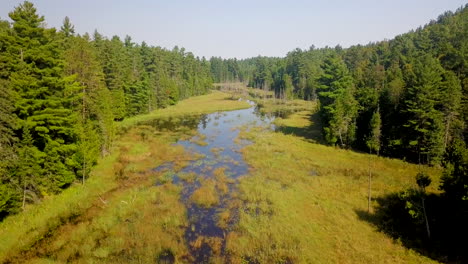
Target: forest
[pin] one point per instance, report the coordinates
(69, 103)
(412, 88)
(62, 93)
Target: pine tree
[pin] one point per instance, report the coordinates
(337, 102)
(114, 62)
(44, 96)
(9, 196)
(8, 123)
(67, 28)
(451, 104)
(373, 140)
(91, 129)
(29, 171)
(425, 128)
(288, 87)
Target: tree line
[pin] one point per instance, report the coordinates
(61, 94)
(414, 87)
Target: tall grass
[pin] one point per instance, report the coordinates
(301, 203)
(28, 233)
(20, 232)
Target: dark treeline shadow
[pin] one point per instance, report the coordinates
(448, 225)
(312, 133)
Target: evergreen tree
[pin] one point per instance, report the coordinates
(338, 106)
(9, 196)
(29, 171)
(8, 123)
(451, 104)
(425, 128)
(60, 94)
(67, 28)
(455, 176)
(92, 129)
(114, 62)
(44, 95)
(373, 140)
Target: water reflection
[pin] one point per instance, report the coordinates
(220, 150)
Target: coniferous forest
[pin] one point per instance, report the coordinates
(61, 94)
(415, 85)
(64, 98)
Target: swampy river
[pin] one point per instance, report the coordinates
(214, 174)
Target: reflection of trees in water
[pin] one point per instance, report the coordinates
(204, 121)
(173, 123)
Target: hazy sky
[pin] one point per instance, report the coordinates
(243, 28)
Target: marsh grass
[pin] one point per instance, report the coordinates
(19, 233)
(136, 226)
(87, 224)
(283, 108)
(189, 177)
(300, 202)
(206, 195)
(305, 124)
(89, 237)
(199, 139)
(212, 102)
(217, 151)
(222, 180)
(228, 216)
(212, 189)
(215, 243)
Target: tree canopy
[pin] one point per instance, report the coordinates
(61, 93)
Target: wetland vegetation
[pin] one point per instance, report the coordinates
(117, 152)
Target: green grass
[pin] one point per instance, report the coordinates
(266, 101)
(20, 232)
(206, 195)
(301, 202)
(136, 226)
(210, 190)
(283, 108)
(81, 224)
(305, 124)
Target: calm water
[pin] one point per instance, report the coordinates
(220, 131)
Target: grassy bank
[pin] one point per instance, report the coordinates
(265, 100)
(73, 226)
(213, 102)
(307, 203)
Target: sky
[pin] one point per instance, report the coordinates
(242, 28)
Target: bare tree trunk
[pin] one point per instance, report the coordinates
(425, 218)
(341, 138)
(447, 129)
(84, 171)
(150, 100)
(24, 195)
(370, 186)
(84, 122)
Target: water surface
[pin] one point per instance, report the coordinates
(218, 143)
